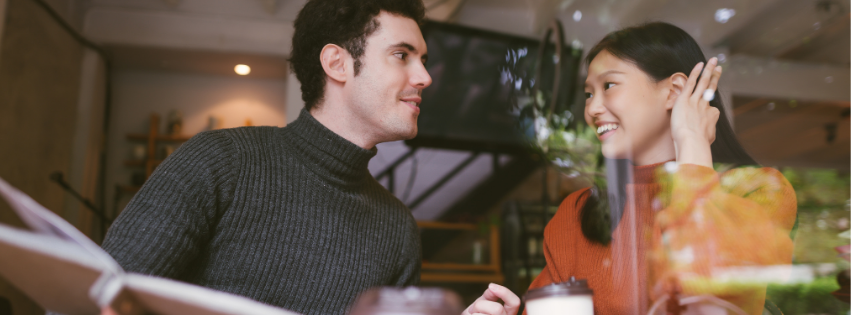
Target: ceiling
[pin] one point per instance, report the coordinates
(198, 62)
(776, 51)
(793, 54)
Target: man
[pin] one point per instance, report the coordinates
(291, 216)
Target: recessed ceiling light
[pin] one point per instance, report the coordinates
(724, 14)
(242, 69)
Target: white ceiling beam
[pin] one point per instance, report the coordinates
(758, 77)
(442, 10)
(270, 6)
(171, 3)
(186, 31)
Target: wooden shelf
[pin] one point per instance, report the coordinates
(129, 189)
(140, 163)
(448, 277)
(460, 267)
(453, 272)
(161, 138)
(446, 226)
(152, 141)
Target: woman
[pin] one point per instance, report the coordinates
(653, 101)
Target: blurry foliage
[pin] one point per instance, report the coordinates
(819, 187)
(823, 214)
(565, 141)
(818, 235)
(807, 298)
(823, 197)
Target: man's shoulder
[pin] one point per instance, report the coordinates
(392, 204)
(386, 197)
(235, 138)
(245, 134)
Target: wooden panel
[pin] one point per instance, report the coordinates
(39, 86)
(436, 277)
(141, 137)
(448, 272)
(446, 226)
(460, 267)
(793, 133)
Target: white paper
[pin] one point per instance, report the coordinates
(64, 271)
(45, 222)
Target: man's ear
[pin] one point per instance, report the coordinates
(678, 84)
(333, 59)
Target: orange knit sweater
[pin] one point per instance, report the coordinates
(682, 227)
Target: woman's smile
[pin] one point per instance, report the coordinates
(606, 129)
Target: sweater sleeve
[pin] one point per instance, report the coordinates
(411, 258)
(168, 222)
(718, 227)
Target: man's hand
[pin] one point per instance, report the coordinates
(488, 304)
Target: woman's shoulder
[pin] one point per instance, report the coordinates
(570, 209)
(746, 180)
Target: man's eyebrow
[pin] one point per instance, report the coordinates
(404, 45)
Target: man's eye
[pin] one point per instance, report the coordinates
(588, 95)
(401, 55)
(608, 85)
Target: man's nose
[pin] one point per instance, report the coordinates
(419, 77)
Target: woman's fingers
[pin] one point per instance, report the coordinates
(705, 77)
(709, 93)
(716, 75)
(692, 78)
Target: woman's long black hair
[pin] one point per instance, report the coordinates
(660, 50)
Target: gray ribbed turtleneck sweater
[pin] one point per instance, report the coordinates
(287, 216)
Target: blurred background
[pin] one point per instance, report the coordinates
(95, 93)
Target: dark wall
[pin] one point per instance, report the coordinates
(39, 83)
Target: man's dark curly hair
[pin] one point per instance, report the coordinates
(346, 23)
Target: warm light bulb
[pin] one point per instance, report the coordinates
(242, 69)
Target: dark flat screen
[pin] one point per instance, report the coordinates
(480, 79)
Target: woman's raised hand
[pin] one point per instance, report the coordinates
(488, 303)
(692, 119)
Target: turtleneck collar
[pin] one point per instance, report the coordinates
(646, 174)
(327, 153)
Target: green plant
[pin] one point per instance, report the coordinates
(807, 298)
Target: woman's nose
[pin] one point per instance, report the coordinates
(595, 107)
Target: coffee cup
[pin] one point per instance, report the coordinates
(572, 297)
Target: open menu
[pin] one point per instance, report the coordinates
(63, 271)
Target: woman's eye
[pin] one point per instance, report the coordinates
(608, 85)
(588, 95)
